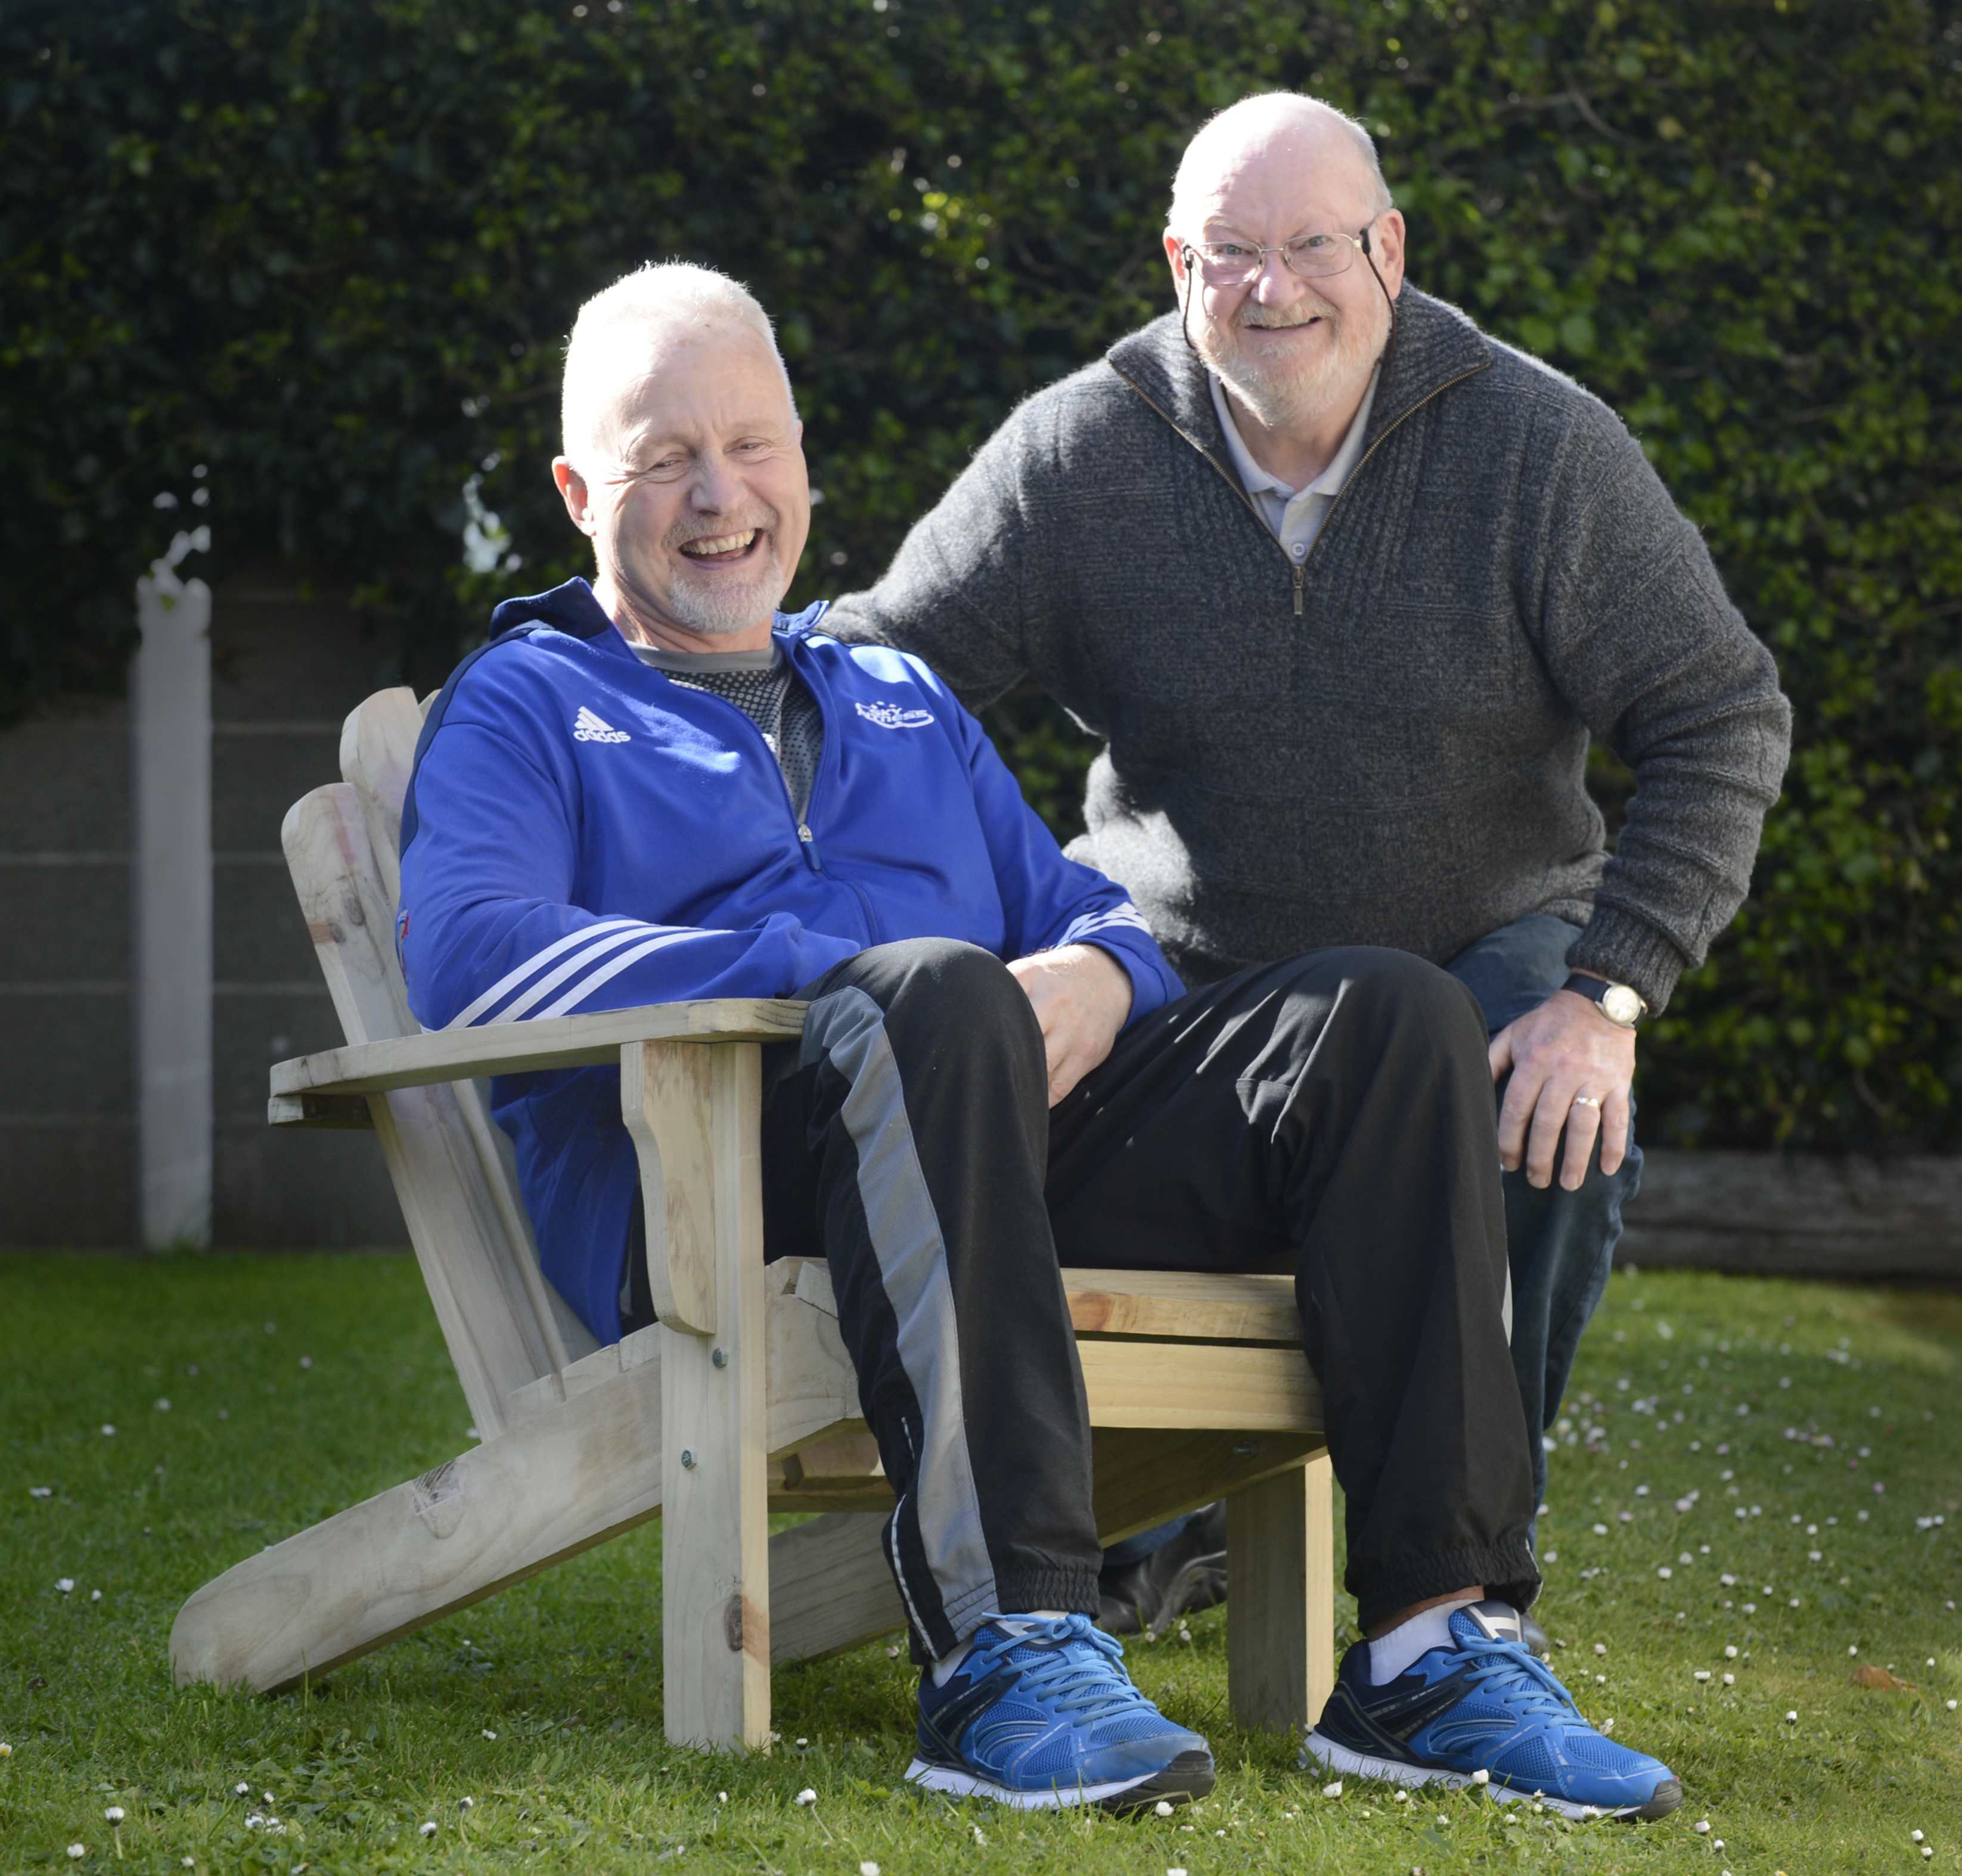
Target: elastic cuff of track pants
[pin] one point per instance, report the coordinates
(1506, 1569)
(1073, 1591)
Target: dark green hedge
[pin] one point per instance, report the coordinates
(326, 249)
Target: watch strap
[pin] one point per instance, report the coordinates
(1595, 990)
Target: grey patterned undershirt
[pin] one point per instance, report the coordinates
(766, 687)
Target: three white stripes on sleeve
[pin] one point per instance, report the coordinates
(611, 935)
(619, 933)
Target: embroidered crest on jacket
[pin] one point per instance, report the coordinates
(891, 717)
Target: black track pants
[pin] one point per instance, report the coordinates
(1336, 1106)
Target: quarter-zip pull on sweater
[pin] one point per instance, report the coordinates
(1384, 741)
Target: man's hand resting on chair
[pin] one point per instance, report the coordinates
(1082, 996)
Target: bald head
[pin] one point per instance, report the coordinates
(1280, 141)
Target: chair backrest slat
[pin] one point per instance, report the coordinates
(377, 754)
(349, 918)
(503, 1325)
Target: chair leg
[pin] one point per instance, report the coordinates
(715, 1630)
(1280, 1619)
(715, 1571)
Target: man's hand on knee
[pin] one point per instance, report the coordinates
(1571, 1068)
(1081, 996)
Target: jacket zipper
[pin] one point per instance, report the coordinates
(805, 836)
(807, 840)
(1298, 568)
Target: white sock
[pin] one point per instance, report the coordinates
(954, 1656)
(1391, 1654)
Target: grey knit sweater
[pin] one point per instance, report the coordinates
(1385, 746)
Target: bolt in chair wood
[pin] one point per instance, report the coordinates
(741, 1400)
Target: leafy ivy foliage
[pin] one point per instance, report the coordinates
(302, 267)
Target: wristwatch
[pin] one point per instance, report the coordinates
(1616, 1001)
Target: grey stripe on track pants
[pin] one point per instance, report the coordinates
(1337, 1106)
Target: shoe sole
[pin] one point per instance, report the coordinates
(1189, 1776)
(1665, 1798)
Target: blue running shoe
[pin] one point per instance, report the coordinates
(1041, 1714)
(1484, 1705)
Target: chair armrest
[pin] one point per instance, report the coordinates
(556, 1042)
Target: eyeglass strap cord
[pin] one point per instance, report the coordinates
(1188, 253)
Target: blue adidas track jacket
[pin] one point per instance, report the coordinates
(581, 834)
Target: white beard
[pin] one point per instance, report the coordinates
(1283, 393)
(716, 608)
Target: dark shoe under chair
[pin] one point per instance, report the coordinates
(1188, 1572)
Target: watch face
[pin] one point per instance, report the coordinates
(1621, 1005)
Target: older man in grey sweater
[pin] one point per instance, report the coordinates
(1346, 585)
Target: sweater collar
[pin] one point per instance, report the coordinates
(1433, 345)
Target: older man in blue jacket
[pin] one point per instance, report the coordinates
(659, 787)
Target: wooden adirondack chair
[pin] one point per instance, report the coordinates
(741, 1400)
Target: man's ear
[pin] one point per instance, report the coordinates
(1174, 249)
(578, 499)
(1389, 245)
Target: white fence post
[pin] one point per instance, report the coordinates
(170, 773)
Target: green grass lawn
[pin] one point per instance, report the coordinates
(249, 1397)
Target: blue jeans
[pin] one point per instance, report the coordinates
(1136, 1548)
(1560, 1244)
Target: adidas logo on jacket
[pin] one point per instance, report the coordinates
(588, 728)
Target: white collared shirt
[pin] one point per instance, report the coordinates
(1294, 515)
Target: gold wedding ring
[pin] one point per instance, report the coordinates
(1587, 1100)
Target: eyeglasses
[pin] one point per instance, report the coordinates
(1308, 257)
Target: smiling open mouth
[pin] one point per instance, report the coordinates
(721, 550)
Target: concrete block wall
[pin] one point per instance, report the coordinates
(67, 1090)
(286, 672)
